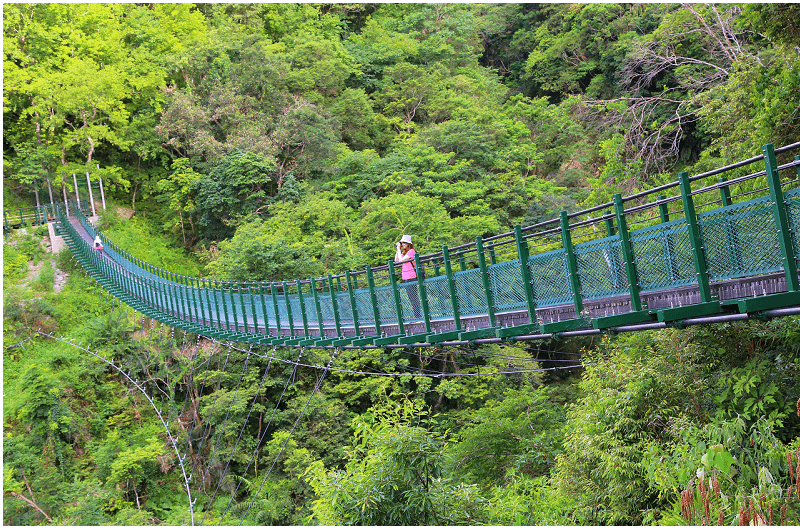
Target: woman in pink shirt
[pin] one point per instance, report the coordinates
(405, 254)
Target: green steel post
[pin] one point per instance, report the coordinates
(524, 256)
(277, 310)
(335, 305)
(397, 304)
(462, 262)
(627, 254)
(353, 307)
(288, 309)
(572, 264)
(486, 284)
(662, 208)
(781, 219)
(451, 285)
(317, 308)
(225, 307)
(724, 192)
(184, 302)
(302, 303)
(695, 239)
(374, 301)
(423, 293)
(233, 308)
(209, 292)
(492, 258)
(609, 224)
(198, 306)
(243, 306)
(264, 308)
(253, 307)
(436, 270)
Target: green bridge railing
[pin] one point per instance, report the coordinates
(34, 216)
(689, 249)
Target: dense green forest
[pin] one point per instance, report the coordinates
(270, 142)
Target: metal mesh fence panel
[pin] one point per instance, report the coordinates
(664, 255)
(384, 297)
(508, 290)
(366, 316)
(469, 291)
(550, 278)
(440, 305)
(793, 212)
(601, 268)
(740, 240)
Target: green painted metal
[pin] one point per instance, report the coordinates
(274, 294)
(303, 312)
(698, 255)
(288, 309)
(423, 294)
(610, 224)
(663, 209)
(317, 308)
(572, 264)
(335, 304)
(253, 307)
(374, 300)
(627, 255)
(451, 285)
(523, 254)
(695, 250)
(485, 278)
(353, 306)
(781, 219)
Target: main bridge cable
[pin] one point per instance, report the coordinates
(283, 447)
(172, 439)
(266, 430)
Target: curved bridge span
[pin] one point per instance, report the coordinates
(697, 250)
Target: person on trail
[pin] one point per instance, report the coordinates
(405, 254)
(98, 244)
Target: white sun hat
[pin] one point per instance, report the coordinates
(406, 239)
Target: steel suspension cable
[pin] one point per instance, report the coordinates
(280, 452)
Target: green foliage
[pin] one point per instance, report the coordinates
(520, 435)
(712, 474)
(233, 191)
(395, 476)
(264, 251)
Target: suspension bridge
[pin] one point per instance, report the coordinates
(714, 247)
(688, 252)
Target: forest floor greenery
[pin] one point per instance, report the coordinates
(672, 427)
